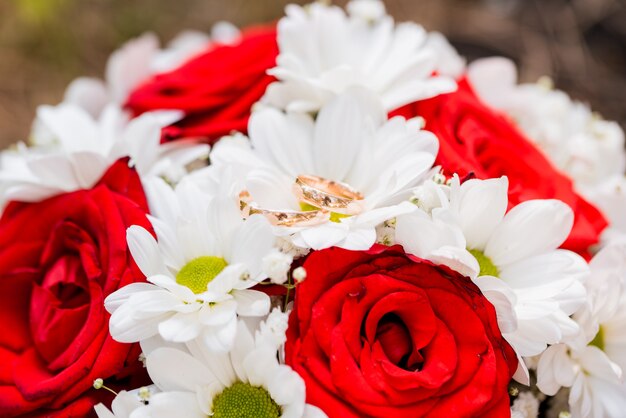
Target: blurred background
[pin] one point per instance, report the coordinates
(44, 44)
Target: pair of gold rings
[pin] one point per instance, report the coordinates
(323, 195)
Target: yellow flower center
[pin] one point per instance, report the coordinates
(487, 268)
(242, 400)
(199, 272)
(598, 340)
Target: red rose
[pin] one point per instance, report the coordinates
(59, 259)
(476, 139)
(384, 334)
(216, 90)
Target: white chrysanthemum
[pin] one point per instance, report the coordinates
(248, 381)
(577, 140)
(603, 318)
(592, 364)
(512, 257)
(596, 387)
(323, 52)
(84, 148)
(200, 270)
(352, 142)
(137, 60)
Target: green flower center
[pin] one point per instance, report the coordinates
(242, 400)
(334, 216)
(487, 268)
(199, 272)
(598, 340)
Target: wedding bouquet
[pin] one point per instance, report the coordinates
(331, 216)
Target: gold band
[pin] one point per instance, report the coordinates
(282, 217)
(326, 194)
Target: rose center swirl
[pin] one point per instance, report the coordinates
(395, 340)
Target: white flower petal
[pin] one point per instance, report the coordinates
(493, 78)
(259, 364)
(145, 251)
(88, 93)
(287, 387)
(71, 125)
(120, 296)
(103, 412)
(140, 316)
(458, 259)
(558, 269)
(420, 235)
(181, 327)
(171, 404)
(271, 189)
(244, 344)
(531, 228)
(251, 302)
(283, 139)
(482, 205)
(218, 314)
(175, 370)
(358, 239)
(217, 362)
(252, 241)
(502, 298)
(129, 65)
(311, 411)
(220, 339)
(324, 236)
(339, 130)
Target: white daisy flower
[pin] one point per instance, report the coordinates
(595, 382)
(592, 364)
(513, 257)
(603, 318)
(323, 52)
(200, 269)
(578, 141)
(248, 381)
(351, 142)
(84, 148)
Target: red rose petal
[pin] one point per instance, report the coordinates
(476, 139)
(362, 321)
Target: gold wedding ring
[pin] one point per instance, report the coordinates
(333, 196)
(282, 217)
